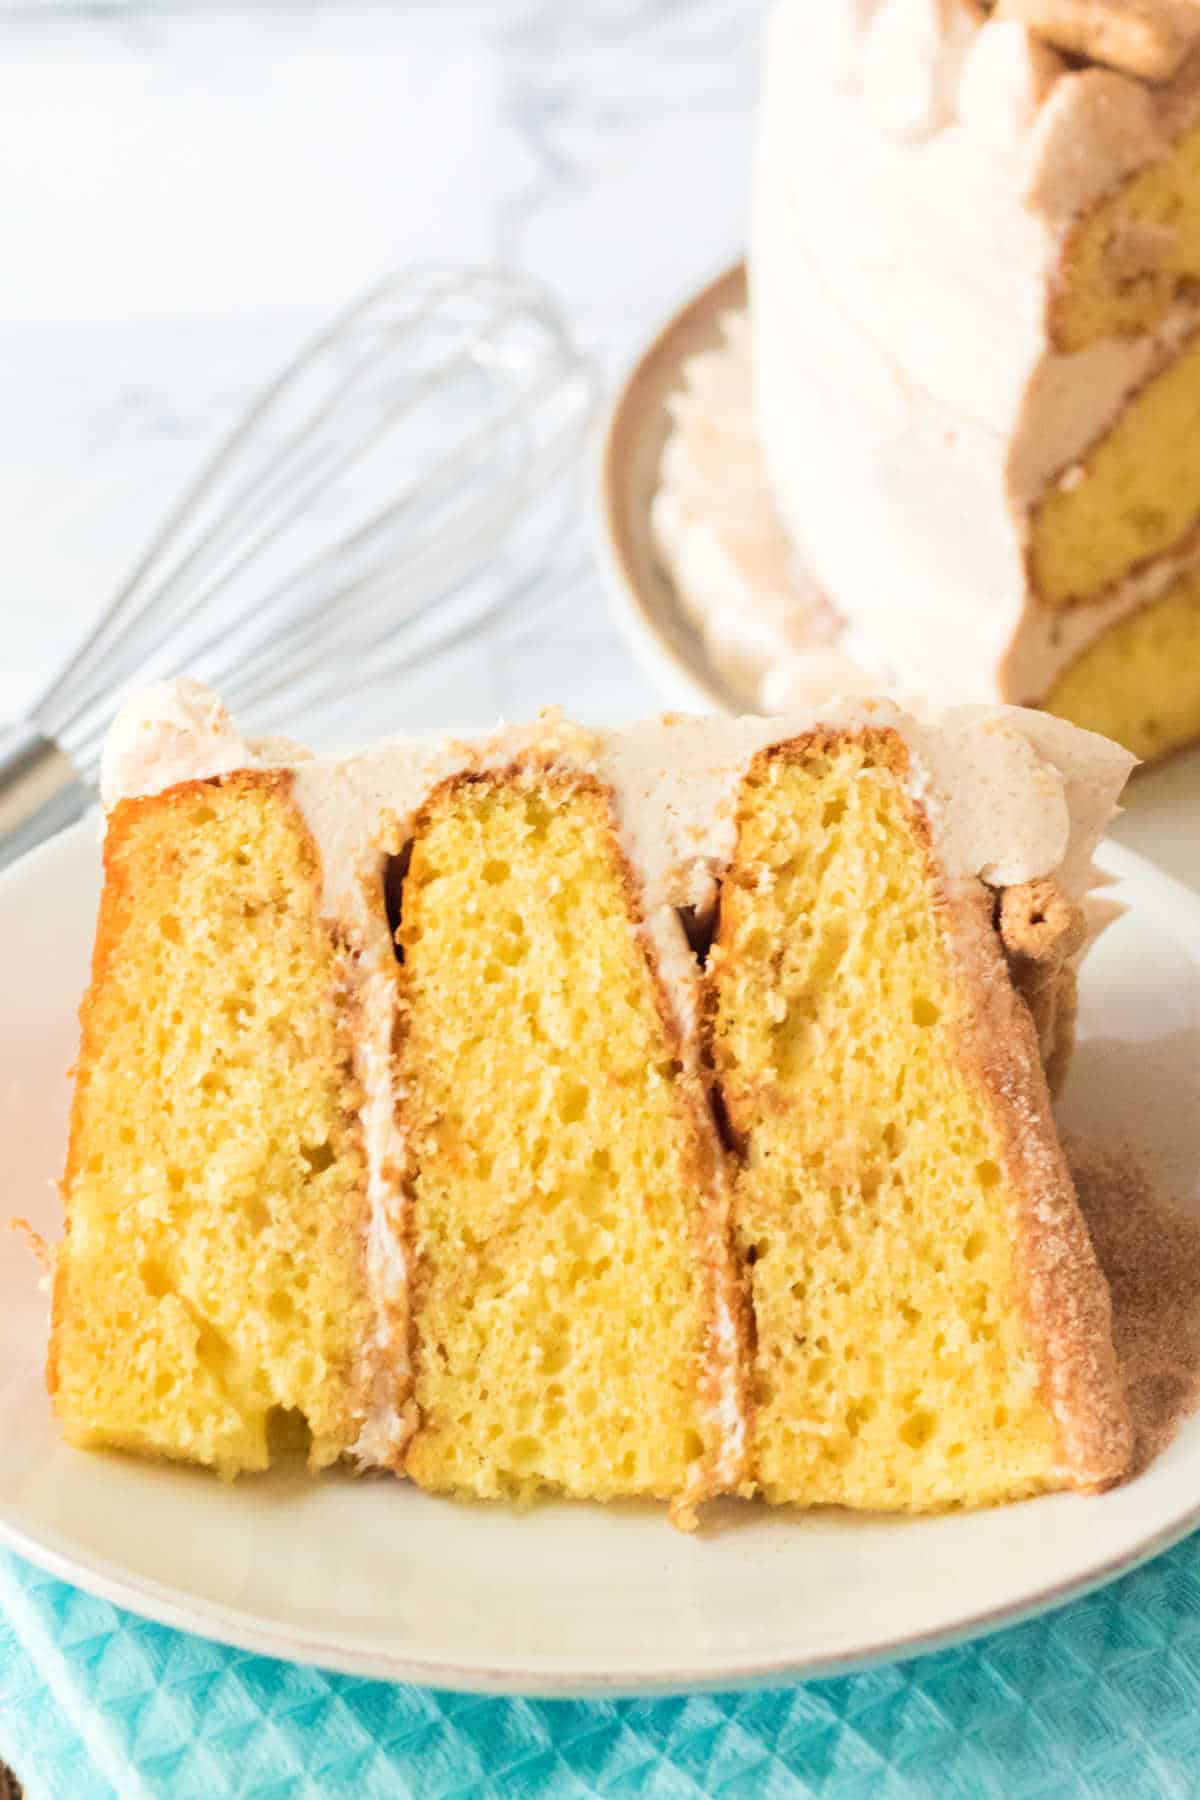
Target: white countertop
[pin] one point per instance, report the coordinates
(185, 194)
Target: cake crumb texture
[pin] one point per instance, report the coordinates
(1135, 254)
(1139, 684)
(209, 1301)
(1135, 497)
(895, 1366)
(558, 1306)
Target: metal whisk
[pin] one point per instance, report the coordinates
(373, 508)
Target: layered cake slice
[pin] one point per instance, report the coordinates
(573, 1298)
(977, 351)
(658, 1112)
(212, 1285)
(899, 1173)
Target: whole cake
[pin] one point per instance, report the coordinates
(975, 337)
(658, 1112)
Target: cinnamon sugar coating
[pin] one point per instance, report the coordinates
(1149, 1249)
(1063, 1289)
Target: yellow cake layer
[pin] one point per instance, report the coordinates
(893, 1367)
(1134, 255)
(559, 1312)
(1136, 495)
(210, 1289)
(1140, 683)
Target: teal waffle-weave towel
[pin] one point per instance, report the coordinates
(1101, 1697)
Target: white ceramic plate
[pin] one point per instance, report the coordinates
(374, 1577)
(656, 627)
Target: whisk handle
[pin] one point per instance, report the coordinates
(41, 790)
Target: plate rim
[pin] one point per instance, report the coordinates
(1166, 899)
(657, 364)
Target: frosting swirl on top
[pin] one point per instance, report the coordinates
(1011, 795)
(163, 734)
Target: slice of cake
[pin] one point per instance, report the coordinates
(569, 1228)
(977, 350)
(657, 1112)
(899, 1175)
(216, 1182)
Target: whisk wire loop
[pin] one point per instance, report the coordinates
(370, 488)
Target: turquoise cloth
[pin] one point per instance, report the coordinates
(1102, 1697)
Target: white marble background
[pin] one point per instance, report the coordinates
(184, 194)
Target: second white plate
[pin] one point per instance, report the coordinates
(374, 1577)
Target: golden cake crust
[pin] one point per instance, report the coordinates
(1063, 1289)
(1062, 1286)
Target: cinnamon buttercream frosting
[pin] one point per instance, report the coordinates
(920, 164)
